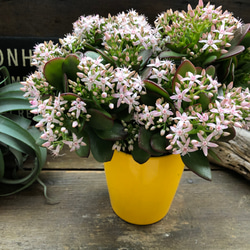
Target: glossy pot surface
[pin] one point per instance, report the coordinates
(142, 193)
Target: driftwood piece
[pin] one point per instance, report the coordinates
(235, 154)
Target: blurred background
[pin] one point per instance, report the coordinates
(54, 18)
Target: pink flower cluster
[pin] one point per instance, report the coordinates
(121, 68)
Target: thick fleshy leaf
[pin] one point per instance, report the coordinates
(115, 133)
(92, 54)
(198, 163)
(204, 100)
(159, 143)
(186, 66)
(100, 119)
(246, 40)
(100, 149)
(232, 134)
(144, 141)
(84, 151)
(150, 98)
(146, 73)
(157, 89)
(106, 57)
(232, 52)
(210, 70)
(213, 155)
(210, 60)
(224, 69)
(69, 96)
(89, 46)
(69, 66)
(145, 54)
(144, 138)
(54, 74)
(140, 155)
(171, 54)
(239, 34)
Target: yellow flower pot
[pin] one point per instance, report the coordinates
(142, 193)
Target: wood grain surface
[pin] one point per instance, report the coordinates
(204, 215)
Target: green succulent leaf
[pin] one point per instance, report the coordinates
(213, 155)
(246, 40)
(157, 89)
(234, 51)
(139, 155)
(145, 54)
(232, 134)
(224, 69)
(186, 66)
(150, 98)
(198, 163)
(145, 140)
(171, 54)
(69, 66)
(115, 133)
(239, 34)
(92, 54)
(101, 149)
(210, 70)
(54, 74)
(84, 151)
(204, 100)
(106, 57)
(210, 60)
(69, 96)
(159, 143)
(100, 119)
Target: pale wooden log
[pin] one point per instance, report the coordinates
(235, 154)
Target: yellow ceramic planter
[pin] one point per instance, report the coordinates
(142, 193)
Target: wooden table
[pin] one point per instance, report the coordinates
(204, 215)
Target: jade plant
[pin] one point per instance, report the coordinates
(119, 83)
(17, 140)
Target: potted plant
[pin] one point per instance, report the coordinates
(17, 140)
(118, 84)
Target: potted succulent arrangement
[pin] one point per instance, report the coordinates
(17, 140)
(129, 92)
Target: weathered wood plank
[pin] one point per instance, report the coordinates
(204, 215)
(54, 18)
(70, 160)
(235, 154)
